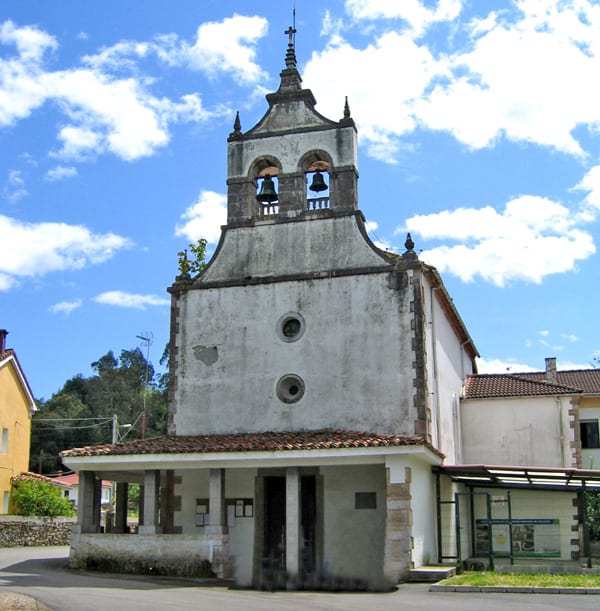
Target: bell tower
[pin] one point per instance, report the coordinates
(294, 162)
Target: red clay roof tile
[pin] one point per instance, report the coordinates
(252, 442)
(527, 384)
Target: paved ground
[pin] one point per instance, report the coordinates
(38, 576)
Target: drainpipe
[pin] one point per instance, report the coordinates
(435, 367)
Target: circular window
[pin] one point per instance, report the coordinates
(290, 327)
(290, 388)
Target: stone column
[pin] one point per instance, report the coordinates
(292, 526)
(151, 503)
(398, 529)
(121, 507)
(217, 519)
(88, 503)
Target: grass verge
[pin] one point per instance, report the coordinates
(535, 580)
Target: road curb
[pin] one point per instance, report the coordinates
(513, 590)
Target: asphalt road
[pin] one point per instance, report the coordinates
(42, 573)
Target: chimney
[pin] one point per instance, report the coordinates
(551, 370)
(3, 334)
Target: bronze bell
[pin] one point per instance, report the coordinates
(318, 183)
(267, 193)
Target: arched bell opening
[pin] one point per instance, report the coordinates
(317, 172)
(266, 174)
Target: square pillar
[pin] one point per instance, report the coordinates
(217, 519)
(88, 503)
(292, 526)
(398, 529)
(121, 507)
(151, 503)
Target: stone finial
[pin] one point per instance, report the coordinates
(347, 120)
(410, 253)
(346, 109)
(237, 127)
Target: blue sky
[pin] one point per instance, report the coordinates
(478, 130)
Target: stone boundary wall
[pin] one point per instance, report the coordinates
(24, 531)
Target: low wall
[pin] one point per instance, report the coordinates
(175, 555)
(20, 531)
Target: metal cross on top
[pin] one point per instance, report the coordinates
(290, 32)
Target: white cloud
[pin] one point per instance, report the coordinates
(204, 218)
(131, 300)
(229, 46)
(531, 238)
(65, 307)
(223, 47)
(570, 337)
(527, 73)
(414, 12)
(15, 187)
(502, 366)
(36, 249)
(105, 113)
(60, 173)
(591, 184)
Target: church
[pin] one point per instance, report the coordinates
(315, 393)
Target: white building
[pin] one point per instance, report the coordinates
(316, 382)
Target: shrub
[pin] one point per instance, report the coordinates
(36, 497)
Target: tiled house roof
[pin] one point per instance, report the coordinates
(252, 442)
(492, 385)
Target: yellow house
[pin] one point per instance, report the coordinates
(16, 408)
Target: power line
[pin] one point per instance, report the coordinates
(66, 419)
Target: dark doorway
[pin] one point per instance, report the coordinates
(308, 517)
(274, 536)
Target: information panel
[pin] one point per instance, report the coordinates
(530, 537)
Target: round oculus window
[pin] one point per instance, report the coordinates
(290, 327)
(290, 388)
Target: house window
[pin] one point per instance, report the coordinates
(5, 502)
(589, 434)
(4, 441)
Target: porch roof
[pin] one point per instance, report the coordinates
(495, 476)
(252, 442)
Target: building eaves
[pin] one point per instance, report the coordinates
(9, 356)
(252, 442)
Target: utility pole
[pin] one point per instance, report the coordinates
(115, 429)
(148, 342)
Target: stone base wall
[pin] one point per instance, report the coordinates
(22, 531)
(173, 555)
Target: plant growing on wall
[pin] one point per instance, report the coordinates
(194, 263)
(35, 497)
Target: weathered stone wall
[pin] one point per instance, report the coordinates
(16, 531)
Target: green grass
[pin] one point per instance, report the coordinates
(536, 580)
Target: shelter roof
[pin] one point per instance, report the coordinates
(253, 442)
(495, 476)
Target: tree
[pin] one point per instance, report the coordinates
(593, 513)
(81, 413)
(34, 497)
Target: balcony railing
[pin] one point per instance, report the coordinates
(318, 203)
(270, 209)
